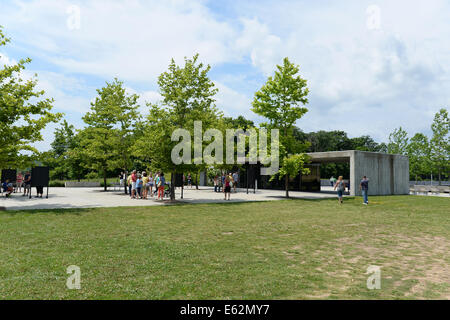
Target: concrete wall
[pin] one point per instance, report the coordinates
(388, 174)
(81, 184)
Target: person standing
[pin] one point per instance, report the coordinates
(27, 184)
(216, 183)
(139, 185)
(189, 179)
(40, 191)
(340, 186)
(129, 185)
(133, 184)
(227, 188)
(150, 184)
(121, 179)
(364, 187)
(332, 181)
(235, 180)
(19, 182)
(145, 185)
(161, 186)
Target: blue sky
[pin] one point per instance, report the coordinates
(371, 66)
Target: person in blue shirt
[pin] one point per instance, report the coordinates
(139, 184)
(364, 187)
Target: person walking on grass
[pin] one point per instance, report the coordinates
(364, 187)
(340, 186)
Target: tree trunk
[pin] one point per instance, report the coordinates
(104, 181)
(172, 186)
(196, 181)
(125, 180)
(440, 183)
(286, 182)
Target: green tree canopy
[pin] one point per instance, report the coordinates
(440, 143)
(398, 142)
(419, 155)
(188, 96)
(281, 100)
(107, 140)
(24, 113)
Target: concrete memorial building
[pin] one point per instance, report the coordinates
(388, 174)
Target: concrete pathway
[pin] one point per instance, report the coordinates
(95, 197)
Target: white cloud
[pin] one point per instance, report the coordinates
(361, 81)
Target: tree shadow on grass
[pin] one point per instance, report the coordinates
(54, 209)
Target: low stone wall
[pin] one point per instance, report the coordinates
(82, 184)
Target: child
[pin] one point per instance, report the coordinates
(7, 188)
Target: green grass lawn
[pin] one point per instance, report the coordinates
(294, 249)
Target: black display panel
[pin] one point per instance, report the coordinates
(178, 180)
(40, 177)
(9, 174)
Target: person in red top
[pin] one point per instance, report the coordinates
(133, 184)
(19, 182)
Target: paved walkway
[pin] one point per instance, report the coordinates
(96, 197)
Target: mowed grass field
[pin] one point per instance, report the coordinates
(293, 249)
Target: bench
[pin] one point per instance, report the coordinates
(81, 184)
(421, 190)
(116, 186)
(431, 189)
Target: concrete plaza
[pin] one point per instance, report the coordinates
(66, 198)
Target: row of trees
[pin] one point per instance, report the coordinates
(117, 137)
(426, 156)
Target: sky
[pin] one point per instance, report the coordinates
(371, 66)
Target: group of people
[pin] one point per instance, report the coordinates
(140, 184)
(226, 182)
(22, 181)
(340, 186)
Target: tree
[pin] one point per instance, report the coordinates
(293, 165)
(62, 160)
(365, 143)
(23, 113)
(188, 96)
(398, 142)
(281, 100)
(440, 143)
(419, 155)
(239, 123)
(63, 142)
(106, 142)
